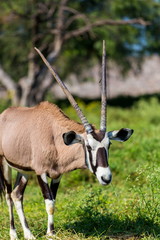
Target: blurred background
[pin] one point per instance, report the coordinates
(70, 34)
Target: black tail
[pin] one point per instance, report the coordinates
(2, 183)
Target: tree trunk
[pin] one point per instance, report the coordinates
(58, 18)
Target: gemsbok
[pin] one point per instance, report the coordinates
(43, 140)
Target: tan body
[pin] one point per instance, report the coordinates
(32, 138)
(43, 140)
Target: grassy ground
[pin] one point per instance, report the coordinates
(129, 208)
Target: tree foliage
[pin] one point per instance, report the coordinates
(69, 32)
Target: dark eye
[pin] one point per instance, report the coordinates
(89, 148)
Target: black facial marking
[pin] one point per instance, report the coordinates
(85, 152)
(101, 155)
(109, 145)
(98, 136)
(91, 159)
(101, 158)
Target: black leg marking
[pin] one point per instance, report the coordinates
(44, 188)
(48, 197)
(17, 196)
(20, 185)
(6, 170)
(10, 204)
(54, 187)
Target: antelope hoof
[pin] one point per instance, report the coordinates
(29, 236)
(13, 234)
(50, 235)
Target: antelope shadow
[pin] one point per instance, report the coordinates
(109, 226)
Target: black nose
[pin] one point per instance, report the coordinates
(107, 181)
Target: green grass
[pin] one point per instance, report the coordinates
(129, 208)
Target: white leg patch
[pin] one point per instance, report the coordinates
(27, 232)
(13, 234)
(28, 235)
(50, 210)
(44, 177)
(49, 206)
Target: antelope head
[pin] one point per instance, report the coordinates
(96, 143)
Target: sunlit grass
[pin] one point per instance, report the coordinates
(129, 208)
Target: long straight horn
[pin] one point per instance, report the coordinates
(103, 91)
(83, 119)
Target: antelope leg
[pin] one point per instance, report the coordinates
(8, 182)
(17, 197)
(49, 202)
(54, 187)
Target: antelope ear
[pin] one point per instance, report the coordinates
(71, 137)
(120, 135)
